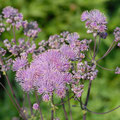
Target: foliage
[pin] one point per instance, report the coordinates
(55, 16)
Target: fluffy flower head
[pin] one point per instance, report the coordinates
(19, 63)
(48, 72)
(35, 106)
(9, 11)
(95, 21)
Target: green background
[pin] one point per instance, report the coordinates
(53, 17)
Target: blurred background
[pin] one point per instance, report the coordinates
(53, 17)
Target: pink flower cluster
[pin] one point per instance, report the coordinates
(95, 21)
(47, 73)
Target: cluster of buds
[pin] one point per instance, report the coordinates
(55, 41)
(77, 89)
(95, 21)
(31, 29)
(85, 71)
(2, 52)
(117, 36)
(23, 48)
(13, 17)
(5, 64)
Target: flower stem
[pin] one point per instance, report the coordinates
(65, 101)
(103, 112)
(88, 93)
(39, 105)
(28, 97)
(104, 67)
(84, 116)
(14, 34)
(65, 113)
(98, 46)
(52, 111)
(94, 48)
(108, 51)
(87, 98)
(69, 107)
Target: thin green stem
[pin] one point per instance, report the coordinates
(87, 98)
(103, 112)
(88, 93)
(70, 111)
(94, 48)
(65, 101)
(104, 67)
(39, 105)
(14, 34)
(30, 105)
(98, 46)
(108, 51)
(65, 113)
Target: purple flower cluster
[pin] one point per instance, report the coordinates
(23, 48)
(18, 47)
(42, 46)
(35, 106)
(72, 37)
(19, 63)
(55, 41)
(75, 49)
(95, 21)
(117, 35)
(77, 89)
(12, 16)
(85, 71)
(31, 29)
(48, 72)
(2, 52)
(69, 52)
(46, 97)
(5, 65)
(69, 45)
(15, 19)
